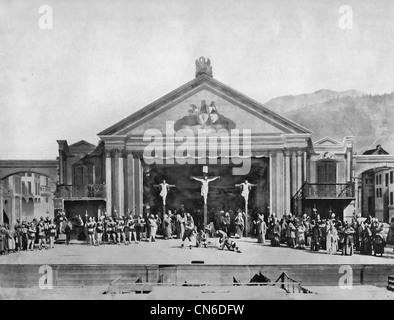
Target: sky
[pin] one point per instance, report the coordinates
(103, 60)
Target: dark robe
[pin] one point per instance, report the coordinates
(378, 242)
(315, 241)
(283, 233)
(366, 241)
(167, 226)
(275, 241)
(349, 240)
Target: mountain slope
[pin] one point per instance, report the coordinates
(289, 103)
(370, 119)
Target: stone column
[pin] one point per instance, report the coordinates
(139, 183)
(1, 201)
(13, 212)
(300, 168)
(115, 180)
(271, 181)
(357, 196)
(130, 183)
(61, 173)
(308, 168)
(94, 174)
(293, 173)
(348, 166)
(280, 186)
(108, 181)
(287, 182)
(120, 179)
(304, 166)
(20, 209)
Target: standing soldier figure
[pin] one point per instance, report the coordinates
(41, 234)
(18, 235)
(32, 235)
(91, 226)
(110, 230)
(52, 233)
(120, 230)
(100, 230)
(130, 225)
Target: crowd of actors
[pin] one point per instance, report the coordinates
(28, 235)
(119, 229)
(366, 236)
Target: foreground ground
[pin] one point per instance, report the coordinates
(200, 293)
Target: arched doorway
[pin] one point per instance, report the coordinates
(26, 195)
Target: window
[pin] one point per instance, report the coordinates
(377, 192)
(391, 198)
(387, 180)
(47, 199)
(380, 179)
(29, 187)
(326, 172)
(380, 192)
(377, 179)
(392, 177)
(29, 174)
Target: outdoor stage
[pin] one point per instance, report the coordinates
(82, 268)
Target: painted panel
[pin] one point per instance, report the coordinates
(205, 109)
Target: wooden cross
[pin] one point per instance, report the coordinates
(246, 186)
(204, 192)
(164, 191)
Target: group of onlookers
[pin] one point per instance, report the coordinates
(365, 236)
(25, 235)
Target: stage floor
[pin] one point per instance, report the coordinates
(164, 252)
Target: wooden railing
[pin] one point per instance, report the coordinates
(321, 191)
(330, 190)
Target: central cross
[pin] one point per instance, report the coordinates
(205, 180)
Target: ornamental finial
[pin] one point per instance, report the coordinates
(203, 67)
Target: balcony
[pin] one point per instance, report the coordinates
(315, 191)
(45, 191)
(78, 192)
(326, 191)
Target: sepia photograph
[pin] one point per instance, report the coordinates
(210, 152)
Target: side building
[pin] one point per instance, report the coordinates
(81, 187)
(27, 196)
(374, 183)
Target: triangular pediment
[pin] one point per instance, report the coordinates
(327, 141)
(82, 146)
(207, 104)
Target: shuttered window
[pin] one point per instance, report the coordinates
(326, 172)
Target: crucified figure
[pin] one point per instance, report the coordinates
(164, 190)
(246, 186)
(204, 185)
